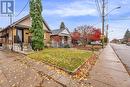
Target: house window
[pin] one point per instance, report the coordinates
(20, 35)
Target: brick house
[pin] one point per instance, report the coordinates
(18, 36)
(61, 37)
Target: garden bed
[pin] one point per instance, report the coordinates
(67, 59)
(89, 47)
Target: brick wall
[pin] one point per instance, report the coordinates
(128, 39)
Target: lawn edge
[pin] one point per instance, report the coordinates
(67, 71)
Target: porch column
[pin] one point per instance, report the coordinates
(69, 41)
(12, 38)
(63, 41)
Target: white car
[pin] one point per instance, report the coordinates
(96, 43)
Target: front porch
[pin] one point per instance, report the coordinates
(16, 38)
(61, 41)
(22, 40)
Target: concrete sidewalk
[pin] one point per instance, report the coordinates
(109, 71)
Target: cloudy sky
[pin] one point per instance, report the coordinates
(78, 12)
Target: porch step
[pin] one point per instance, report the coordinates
(17, 47)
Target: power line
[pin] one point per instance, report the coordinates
(116, 27)
(120, 19)
(98, 6)
(23, 9)
(107, 10)
(97, 23)
(100, 2)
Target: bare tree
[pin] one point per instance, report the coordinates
(85, 31)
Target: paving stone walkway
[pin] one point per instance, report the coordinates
(18, 71)
(15, 73)
(52, 73)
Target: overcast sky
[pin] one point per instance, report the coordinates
(78, 12)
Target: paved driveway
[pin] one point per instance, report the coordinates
(123, 52)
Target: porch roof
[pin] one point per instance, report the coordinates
(63, 34)
(22, 26)
(56, 32)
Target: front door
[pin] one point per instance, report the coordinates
(20, 36)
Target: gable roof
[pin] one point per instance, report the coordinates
(58, 31)
(22, 19)
(127, 34)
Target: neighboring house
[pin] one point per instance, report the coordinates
(128, 39)
(115, 41)
(61, 37)
(18, 36)
(127, 36)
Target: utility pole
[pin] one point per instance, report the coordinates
(107, 32)
(103, 21)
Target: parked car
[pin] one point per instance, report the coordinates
(96, 43)
(128, 44)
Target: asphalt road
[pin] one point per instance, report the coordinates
(123, 53)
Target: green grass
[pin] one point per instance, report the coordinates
(69, 59)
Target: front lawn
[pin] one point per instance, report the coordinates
(66, 58)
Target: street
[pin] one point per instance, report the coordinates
(123, 51)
